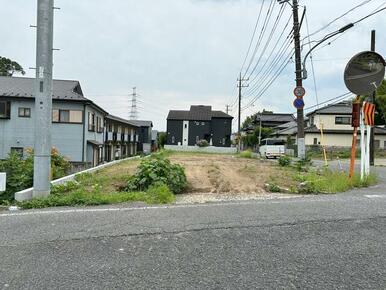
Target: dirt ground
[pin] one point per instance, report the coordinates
(208, 173)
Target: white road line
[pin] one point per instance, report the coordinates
(123, 209)
(375, 196)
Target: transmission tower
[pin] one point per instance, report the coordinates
(134, 109)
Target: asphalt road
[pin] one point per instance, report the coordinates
(313, 242)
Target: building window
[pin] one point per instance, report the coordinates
(5, 110)
(91, 122)
(99, 125)
(186, 126)
(173, 140)
(24, 112)
(67, 116)
(343, 120)
(315, 141)
(377, 144)
(312, 120)
(18, 150)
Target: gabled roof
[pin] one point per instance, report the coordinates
(25, 88)
(63, 90)
(342, 108)
(197, 113)
(142, 123)
(121, 120)
(285, 125)
(283, 118)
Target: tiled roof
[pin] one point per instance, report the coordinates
(25, 88)
(197, 113)
(142, 123)
(118, 119)
(342, 108)
(282, 118)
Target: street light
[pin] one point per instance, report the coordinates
(327, 37)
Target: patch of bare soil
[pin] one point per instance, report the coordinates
(225, 174)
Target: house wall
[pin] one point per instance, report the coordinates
(329, 122)
(340, 140)
(19, 132)
(199, 130)
(174, 129)
(92, 135)
(221, 129)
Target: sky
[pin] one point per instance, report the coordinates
(185, 52)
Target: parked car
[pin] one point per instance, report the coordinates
(272, 148)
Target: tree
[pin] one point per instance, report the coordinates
(250, 121)
(9, 67)
(162, 137)
(380, 103)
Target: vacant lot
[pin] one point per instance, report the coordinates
(209, 173)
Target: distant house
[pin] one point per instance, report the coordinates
(145, 136)
(335, 120)
(272, 120)
(121, 138)
(77, 122)
(337, 129)
(186, 128)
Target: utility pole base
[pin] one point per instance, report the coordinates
(42, 168)
(301, 148)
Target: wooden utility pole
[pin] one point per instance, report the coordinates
(372, 100)
(299, 79)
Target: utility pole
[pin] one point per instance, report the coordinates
(240, 85)
(43, 98)
(372, 100)
(260, 129)
(134, 108)
(299, 79)
(227, 109)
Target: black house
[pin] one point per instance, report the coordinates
(185, 128)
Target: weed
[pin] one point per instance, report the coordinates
(246, 154)
(284, 161)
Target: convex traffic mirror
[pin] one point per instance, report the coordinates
(364, 73)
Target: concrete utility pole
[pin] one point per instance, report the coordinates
(43, 98)
(240, 85)
(372, 100)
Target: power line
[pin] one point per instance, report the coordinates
(268, 41)
(262, 32)
(340, 17)
(253, 35)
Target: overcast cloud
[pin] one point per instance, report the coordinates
(177, 52)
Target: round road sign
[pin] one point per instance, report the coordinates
(364, 73)
(299, 92)
(299, 103)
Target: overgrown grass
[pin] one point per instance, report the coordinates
(79, 196)
(329, 181)
(246, 154)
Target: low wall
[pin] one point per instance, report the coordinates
(209, 149)
(27, 193)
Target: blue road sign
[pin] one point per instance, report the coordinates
(299, 104)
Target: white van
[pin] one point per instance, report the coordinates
(272, 148)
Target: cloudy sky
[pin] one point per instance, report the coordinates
(183, 52)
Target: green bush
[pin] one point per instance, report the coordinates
(20, 171)
(158, 169)
(284, 161)
(246, 154)
(202, 143)
(19, 174)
